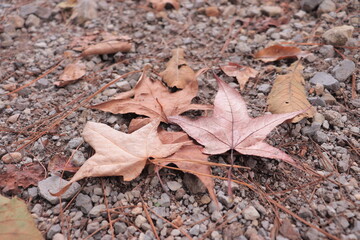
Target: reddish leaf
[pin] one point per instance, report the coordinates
(278, 52)
(230, 127)
(189, 157)
(13, 177)
(153, 99)
(59, 163)
(242, 73)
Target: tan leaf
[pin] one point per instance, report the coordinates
(189, 157)
(288, 94)
(107, 47)
(153, 99)
(178, 73)
(67, 4)
(212, 11)
(71, 73)
(121, 154)
(278, 52)
(160, 5)
(242, 73)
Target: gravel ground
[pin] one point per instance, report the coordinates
(35, 37)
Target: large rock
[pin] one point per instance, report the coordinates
(325, 79)
(326, 6)
(310, 5)
(54, 184)
(343, 70)
(338, 35)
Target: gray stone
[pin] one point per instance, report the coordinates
(264, 88)
(84, 202)
(27, 9)
(195, 230)
(92, 227)
(42, 45)
(42, 83)
(119, 227)
(334, 118)
(97, 210)
(194, 184)
(325, 79)
(300, 14)
(37, 209)
(54, 229)
(6, 40)
(310, 5)
(312, 234)
(174, 185)
(123, 86)
(74, 143)
(175, 232)
(310, 130)
(317, 101)
(161, 211)
(338, 35)
(326, 6)
(343, 70)
(59, 236)
(272, 11)
(33, 192)
(243, 47)
(43, 12)
(32, 21)
(320, 137)
(78, 158)
(13, 157)
(215, 216)
(250, 213)
(327, 51)
(305, 212)
(54, 184)
(164, 200)
(139, 220)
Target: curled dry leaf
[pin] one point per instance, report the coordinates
(12, 177)
(16, 223)
(278, 52)
(153, 99)
(288, 94)
(108, 47)
(160, 5)
(71, 73)
(120, 154)
(212, 11)
(242, 73)
(230, 127)
(178, 73)
(188, 158)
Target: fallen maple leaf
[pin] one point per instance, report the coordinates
(120, 154)
(178, 73)
(152, 99)
(71, 73)
(242, 73)
(16, 223)
(288, 94)
(278, 52)
(188, 157)
(230, 127)
(160, 5)
(12, 177)
(108, 47)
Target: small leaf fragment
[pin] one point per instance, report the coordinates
(212, 11)
(107, 47)
(278, 52)
(288, 94)
(242, 73)
(178, 73)
(71, 73)
(16, 223)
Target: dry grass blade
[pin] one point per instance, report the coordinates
(288, 94)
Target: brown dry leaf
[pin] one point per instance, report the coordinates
(108, 47)
(120, 154)
(189, 157)
(71, 73)
(59, 163)
(288, 94)
(160, 5)
(153, 99)
(178, 73)
(242, 73)
(12, 177)
(277, 52)
(212, 11)
(67, 4)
